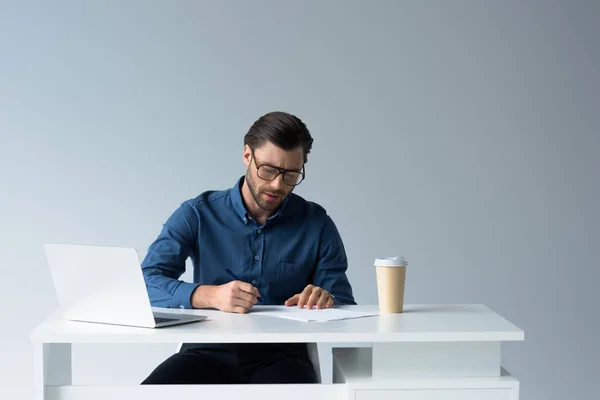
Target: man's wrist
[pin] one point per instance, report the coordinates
(202, 296)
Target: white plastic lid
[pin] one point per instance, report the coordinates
(390, 262)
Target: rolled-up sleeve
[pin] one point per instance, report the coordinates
(332, 264)
(165, 261)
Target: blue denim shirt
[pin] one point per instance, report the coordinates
(298, 245)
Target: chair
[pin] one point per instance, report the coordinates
(313, 355)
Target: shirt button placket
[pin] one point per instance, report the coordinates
(261, 240)
(259, 249)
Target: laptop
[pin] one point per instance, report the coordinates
(105, 285)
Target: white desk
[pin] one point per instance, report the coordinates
(433, 352)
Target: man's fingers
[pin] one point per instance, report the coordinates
(313, 300)
(240, 294)
(239, 310)
(292, 300)
(330, 302)
(248, 288)
(237, 302)
(311, 296)
(323, 298)
(304, 296)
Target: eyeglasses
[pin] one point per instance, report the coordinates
(269, 173)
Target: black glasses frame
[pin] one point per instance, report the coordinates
(280, 171)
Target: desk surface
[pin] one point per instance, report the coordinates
(419, 323)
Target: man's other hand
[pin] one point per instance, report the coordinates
(311, 296)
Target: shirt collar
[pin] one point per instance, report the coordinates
(240, 208)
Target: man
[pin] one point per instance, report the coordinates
(284, 249)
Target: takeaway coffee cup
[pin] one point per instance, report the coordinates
(391, 278)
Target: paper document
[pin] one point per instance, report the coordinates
(314, 315)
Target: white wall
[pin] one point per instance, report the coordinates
(463, 135)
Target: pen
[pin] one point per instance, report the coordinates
(234, 276)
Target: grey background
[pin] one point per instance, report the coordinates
(462, 135)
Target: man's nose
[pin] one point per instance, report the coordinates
(278, 182)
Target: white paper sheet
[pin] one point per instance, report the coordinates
(303, 314)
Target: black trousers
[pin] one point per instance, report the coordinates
(235, 364)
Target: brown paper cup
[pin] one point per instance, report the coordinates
(391, 279)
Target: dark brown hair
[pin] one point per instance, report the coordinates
(284, 130)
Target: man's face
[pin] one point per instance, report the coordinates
(270, 194)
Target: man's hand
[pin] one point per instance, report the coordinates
(311, 296)
(235, 296)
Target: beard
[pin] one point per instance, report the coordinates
(258, 195)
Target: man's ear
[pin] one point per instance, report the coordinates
(247, 155)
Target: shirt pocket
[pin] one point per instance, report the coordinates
(289, 278)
